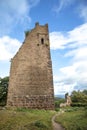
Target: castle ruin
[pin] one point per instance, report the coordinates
(31, 78)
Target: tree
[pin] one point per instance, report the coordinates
(3, 90)
(79, 98)
(85, 92)
(58, 101)
(66, 94)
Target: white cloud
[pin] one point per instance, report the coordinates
(75, 38)
(80, 7)
(63, 4)
(57, 40)
(14, 13)
(74, 45)
(78, 35)
(8, 47)
(61, 89)
(82, 11)
(78, 54)
(73, 77)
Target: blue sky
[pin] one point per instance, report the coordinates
(67, 20)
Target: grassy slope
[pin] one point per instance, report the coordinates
(73, 119)
(23, 119)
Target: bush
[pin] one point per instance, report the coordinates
(85, 109)
(40, 124)
(27, 32)
(57, 109)
(58, 101)
(78, 104)
(3, 90)
(73, 120)
(79, 99)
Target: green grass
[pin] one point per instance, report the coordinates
(25, 119)
(73, 119)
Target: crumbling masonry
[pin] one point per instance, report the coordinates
(31, 78)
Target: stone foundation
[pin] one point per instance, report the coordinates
(35, 102)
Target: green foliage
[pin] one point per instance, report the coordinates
(66, 95)
(71, 109)
(4, 82)
(58, 101)
(20, 109)
(3, 90)
(47, 44)
(40, 124)
(79, 98)
(85, 109)
(27, 32)
(85, 92)
(25, 119)
(73, 119)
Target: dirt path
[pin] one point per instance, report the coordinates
(56, 126)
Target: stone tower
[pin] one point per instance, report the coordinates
(31, 78)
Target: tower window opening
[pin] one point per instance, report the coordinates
(42, 41)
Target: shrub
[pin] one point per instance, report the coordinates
(78, 104)
(27, 32)
(3, 90)
(58, 101)
(39, 124)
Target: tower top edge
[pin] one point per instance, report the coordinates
(37, 24)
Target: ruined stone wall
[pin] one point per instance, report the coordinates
(31, 78)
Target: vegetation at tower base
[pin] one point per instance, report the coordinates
(25, 119)
(73, 118)
(58, 101)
